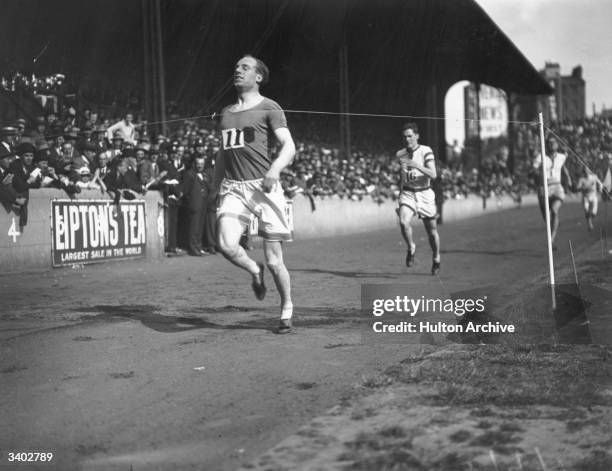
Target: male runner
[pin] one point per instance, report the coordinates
(590, 186)
(418, 168)
(248, 180)
(554, 166)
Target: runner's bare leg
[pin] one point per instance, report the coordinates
(229, 231)
(273, 252)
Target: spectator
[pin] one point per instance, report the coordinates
(8, 138)
(38, 134)
(70, 119)
(63, 165)
(129, 154)
(99, 138)
(101, 169)
(116, 149)
(57, 141)
(195, 194)
(71, 154)
(83, 179)
(125, 128)
(148, 170)
(20, 125)
(170, 178)
(72, 136)
(51, 120)
(23, 170)
(41, 160)
(9, 197)
(23, 177)
(122, 181)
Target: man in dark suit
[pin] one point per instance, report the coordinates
(99, 138)
(56, 135)
(195, 193)
(8, 138)
(23, 167)
(170, 177)
(123, 181)
(26, 176)
(148, 170)
(9, 198)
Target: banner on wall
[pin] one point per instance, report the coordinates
(89, 231)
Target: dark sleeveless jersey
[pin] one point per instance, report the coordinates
(246, 137)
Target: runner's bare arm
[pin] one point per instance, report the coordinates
(285, 156)
(569, 183)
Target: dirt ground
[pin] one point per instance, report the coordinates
(174, 365)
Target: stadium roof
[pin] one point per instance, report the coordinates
(396, 48)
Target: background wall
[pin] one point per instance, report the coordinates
(31, 249)
(336, 217)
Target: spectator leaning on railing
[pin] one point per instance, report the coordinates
(123, 181)
(9, 197)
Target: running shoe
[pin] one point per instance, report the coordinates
(435, 268)
(284, 327)
(410, 257)
(259, 287)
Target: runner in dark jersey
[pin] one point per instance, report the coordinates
(248, 180)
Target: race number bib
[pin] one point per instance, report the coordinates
(412, 174)
(232, 138)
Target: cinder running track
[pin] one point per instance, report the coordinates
(174, 365)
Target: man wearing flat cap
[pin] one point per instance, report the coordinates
(57, 138)
(117, 143)
(42, 160)
(122, 181)
(86, 159)
(99, 138)
(8, 138)
(25, 174)
(20, 124)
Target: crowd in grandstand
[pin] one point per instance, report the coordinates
(74, 150)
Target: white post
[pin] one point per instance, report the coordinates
(551, 266)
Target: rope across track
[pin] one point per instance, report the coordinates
(336, 113)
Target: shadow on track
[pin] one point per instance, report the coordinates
(152, 317)
(347, 274)
(518, 253)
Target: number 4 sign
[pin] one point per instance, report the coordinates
(13, 231)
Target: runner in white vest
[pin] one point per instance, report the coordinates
(554, 165)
